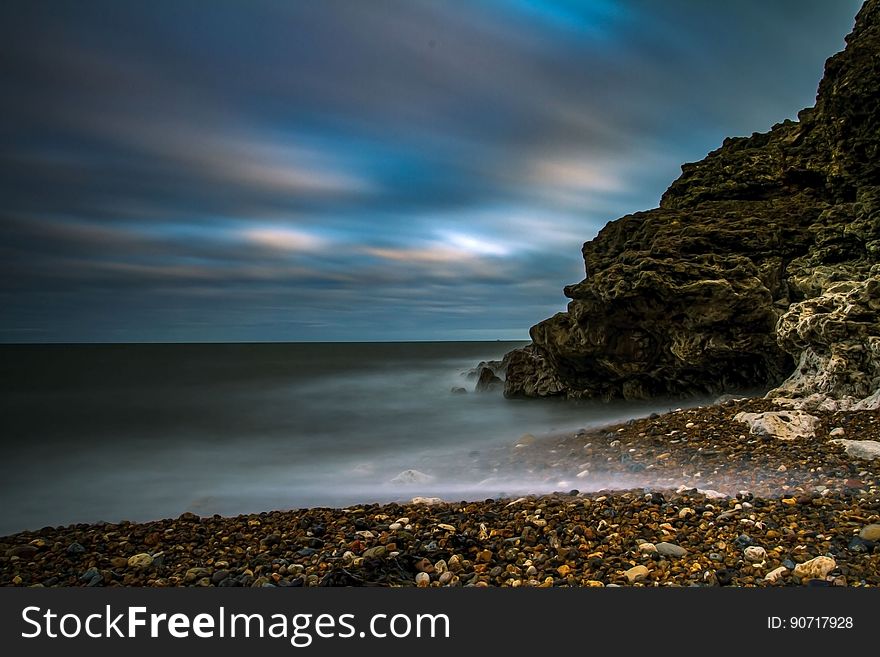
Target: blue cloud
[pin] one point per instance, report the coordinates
(349, 170)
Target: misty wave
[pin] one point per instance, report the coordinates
(111, 432)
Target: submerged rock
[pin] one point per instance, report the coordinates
(488, 381)
(412, 477)
(685, 299)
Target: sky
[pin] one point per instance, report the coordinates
(292, 170)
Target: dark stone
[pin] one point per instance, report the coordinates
(724, 576)
(22, 551)
(488, 381)
(743, 541)
(75, 549)
(219, 576)
(858, 545)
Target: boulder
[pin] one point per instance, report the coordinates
(867, 450)
(784, 425)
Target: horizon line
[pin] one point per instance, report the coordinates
(242, 342)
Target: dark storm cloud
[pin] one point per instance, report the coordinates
(357, 170)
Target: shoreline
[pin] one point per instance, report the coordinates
(695, 500)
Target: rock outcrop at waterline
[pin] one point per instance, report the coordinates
(685, 299)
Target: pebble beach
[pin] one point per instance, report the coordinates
(703, 501)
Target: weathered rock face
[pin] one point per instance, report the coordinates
(836, 337)
(685, 299)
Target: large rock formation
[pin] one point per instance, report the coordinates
(685, 299)
(837, 338)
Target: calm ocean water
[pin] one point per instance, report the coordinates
(138, 432)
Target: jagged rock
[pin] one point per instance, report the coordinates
(531, 374)
(498, 367)
(684, 299)
(784, 425)
(871, 403)
(836, 337)
(488, 381)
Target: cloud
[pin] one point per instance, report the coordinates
(284, 239)
(259, 170)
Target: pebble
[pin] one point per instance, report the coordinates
(427, 501)
(776, 574)
(816, 568)
(755, 554)
(870, 533)
(142, 560)
(636, 573)
(375, 552)
(423, 579)
(670, 549)
(22, 551)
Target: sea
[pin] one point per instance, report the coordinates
(111, 432)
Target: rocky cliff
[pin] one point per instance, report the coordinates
(687, 298)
